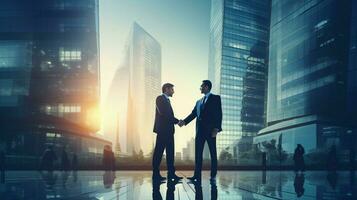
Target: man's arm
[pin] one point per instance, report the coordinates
(164, 110)
(191, 116)
(218, 115)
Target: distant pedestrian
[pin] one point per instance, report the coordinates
(48, 158)
(64, 160)
(299, 161)
(74, 161)
(108, 158)
(2, 160)
(264, 160)
(332, 161)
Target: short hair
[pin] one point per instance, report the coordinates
(165, 86)
(207, 83)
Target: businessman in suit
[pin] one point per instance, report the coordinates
(208, 114)
(164, 127)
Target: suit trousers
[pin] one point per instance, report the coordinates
(199, 145)
(164, 141)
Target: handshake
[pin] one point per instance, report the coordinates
(181, 123)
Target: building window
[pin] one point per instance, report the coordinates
(13, 54)
(70, 55)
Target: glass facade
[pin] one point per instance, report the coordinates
(308, 59)
(239, 35)
(312, 77)
(135, 86)
(49, 70)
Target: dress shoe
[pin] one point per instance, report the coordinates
(174, 177)
(194, 179)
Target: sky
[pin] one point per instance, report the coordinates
(182, 29)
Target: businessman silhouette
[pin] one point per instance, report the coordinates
(164, 127)
(208, 114)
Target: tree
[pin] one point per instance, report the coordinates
(225, 156)
(253, 153)
(141, 155)
(274, 151)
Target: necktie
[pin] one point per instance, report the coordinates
(203, 103)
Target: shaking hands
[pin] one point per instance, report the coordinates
(181, 123)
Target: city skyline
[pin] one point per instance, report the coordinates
(189, 99)
(52, 79)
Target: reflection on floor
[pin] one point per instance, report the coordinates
(133, 185)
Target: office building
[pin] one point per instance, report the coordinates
(139, 76)
(49, 78)
(238, 60)
(312, 75)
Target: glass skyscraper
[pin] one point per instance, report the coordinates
(239, 35)
(134, 89)
(49, 76)
(312, 75)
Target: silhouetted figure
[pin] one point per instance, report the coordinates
(164, 127)
(48, 159)
(332, 178)
(108, 158)
(298, 157)
(264, 160)
(74, 161)
(108, 179)
(299, 184)
(208, 114)
(64, 161)
(332, 162)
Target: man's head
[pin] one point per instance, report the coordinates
(206, 86)
(168, 89)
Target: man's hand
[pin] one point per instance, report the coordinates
(181, 123)
(214, 132)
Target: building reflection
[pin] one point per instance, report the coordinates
(137, 185)
(299, 184)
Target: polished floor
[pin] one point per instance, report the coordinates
(137, 185)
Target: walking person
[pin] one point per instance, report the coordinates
(64, 160)
(48, 158)
(298, 157)
(332, 161)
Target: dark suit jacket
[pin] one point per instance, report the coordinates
(210, 117)
(164, 117)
